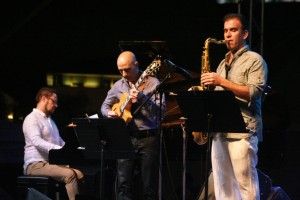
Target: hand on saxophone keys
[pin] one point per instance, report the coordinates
(211, 78)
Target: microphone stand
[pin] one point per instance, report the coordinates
(158, 88)
(178, 69)
(184, 73)
(187, 76)
(152, 93)
(184, 147)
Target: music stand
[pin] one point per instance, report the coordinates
(107, 138)
(211, 111)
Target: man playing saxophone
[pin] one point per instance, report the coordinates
(234, 155)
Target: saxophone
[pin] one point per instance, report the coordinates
(199, 137)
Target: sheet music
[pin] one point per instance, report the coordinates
(95, 116)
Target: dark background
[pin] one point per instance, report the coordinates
(38, 37)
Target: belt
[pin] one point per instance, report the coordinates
(143, 133)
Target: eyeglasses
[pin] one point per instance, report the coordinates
(54, 101)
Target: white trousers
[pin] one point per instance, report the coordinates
(234, 168)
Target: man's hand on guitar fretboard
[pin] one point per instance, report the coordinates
(135, 95)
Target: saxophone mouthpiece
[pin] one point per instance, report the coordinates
(213, 40)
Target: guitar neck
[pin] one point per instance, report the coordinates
(124, 104)
(136, 85)
(140, 80)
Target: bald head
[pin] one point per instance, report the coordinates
(126, 56)
(128, 66)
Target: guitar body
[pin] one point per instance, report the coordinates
(125, 113)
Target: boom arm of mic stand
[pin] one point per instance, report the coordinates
(153, 92)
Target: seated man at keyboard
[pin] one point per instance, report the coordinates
(41, 135)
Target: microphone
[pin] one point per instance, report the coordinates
(178, 69)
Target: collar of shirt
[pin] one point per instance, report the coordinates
(235, 56)
(40, 112)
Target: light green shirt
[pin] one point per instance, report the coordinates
(247, 68)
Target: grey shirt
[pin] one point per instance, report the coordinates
(247, 68)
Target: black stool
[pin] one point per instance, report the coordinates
(44, 184)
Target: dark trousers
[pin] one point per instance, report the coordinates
(145, 164)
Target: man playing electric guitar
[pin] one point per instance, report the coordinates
(125, 95)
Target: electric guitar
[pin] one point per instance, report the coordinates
(123, 108)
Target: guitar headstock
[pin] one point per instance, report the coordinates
(153, 68)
